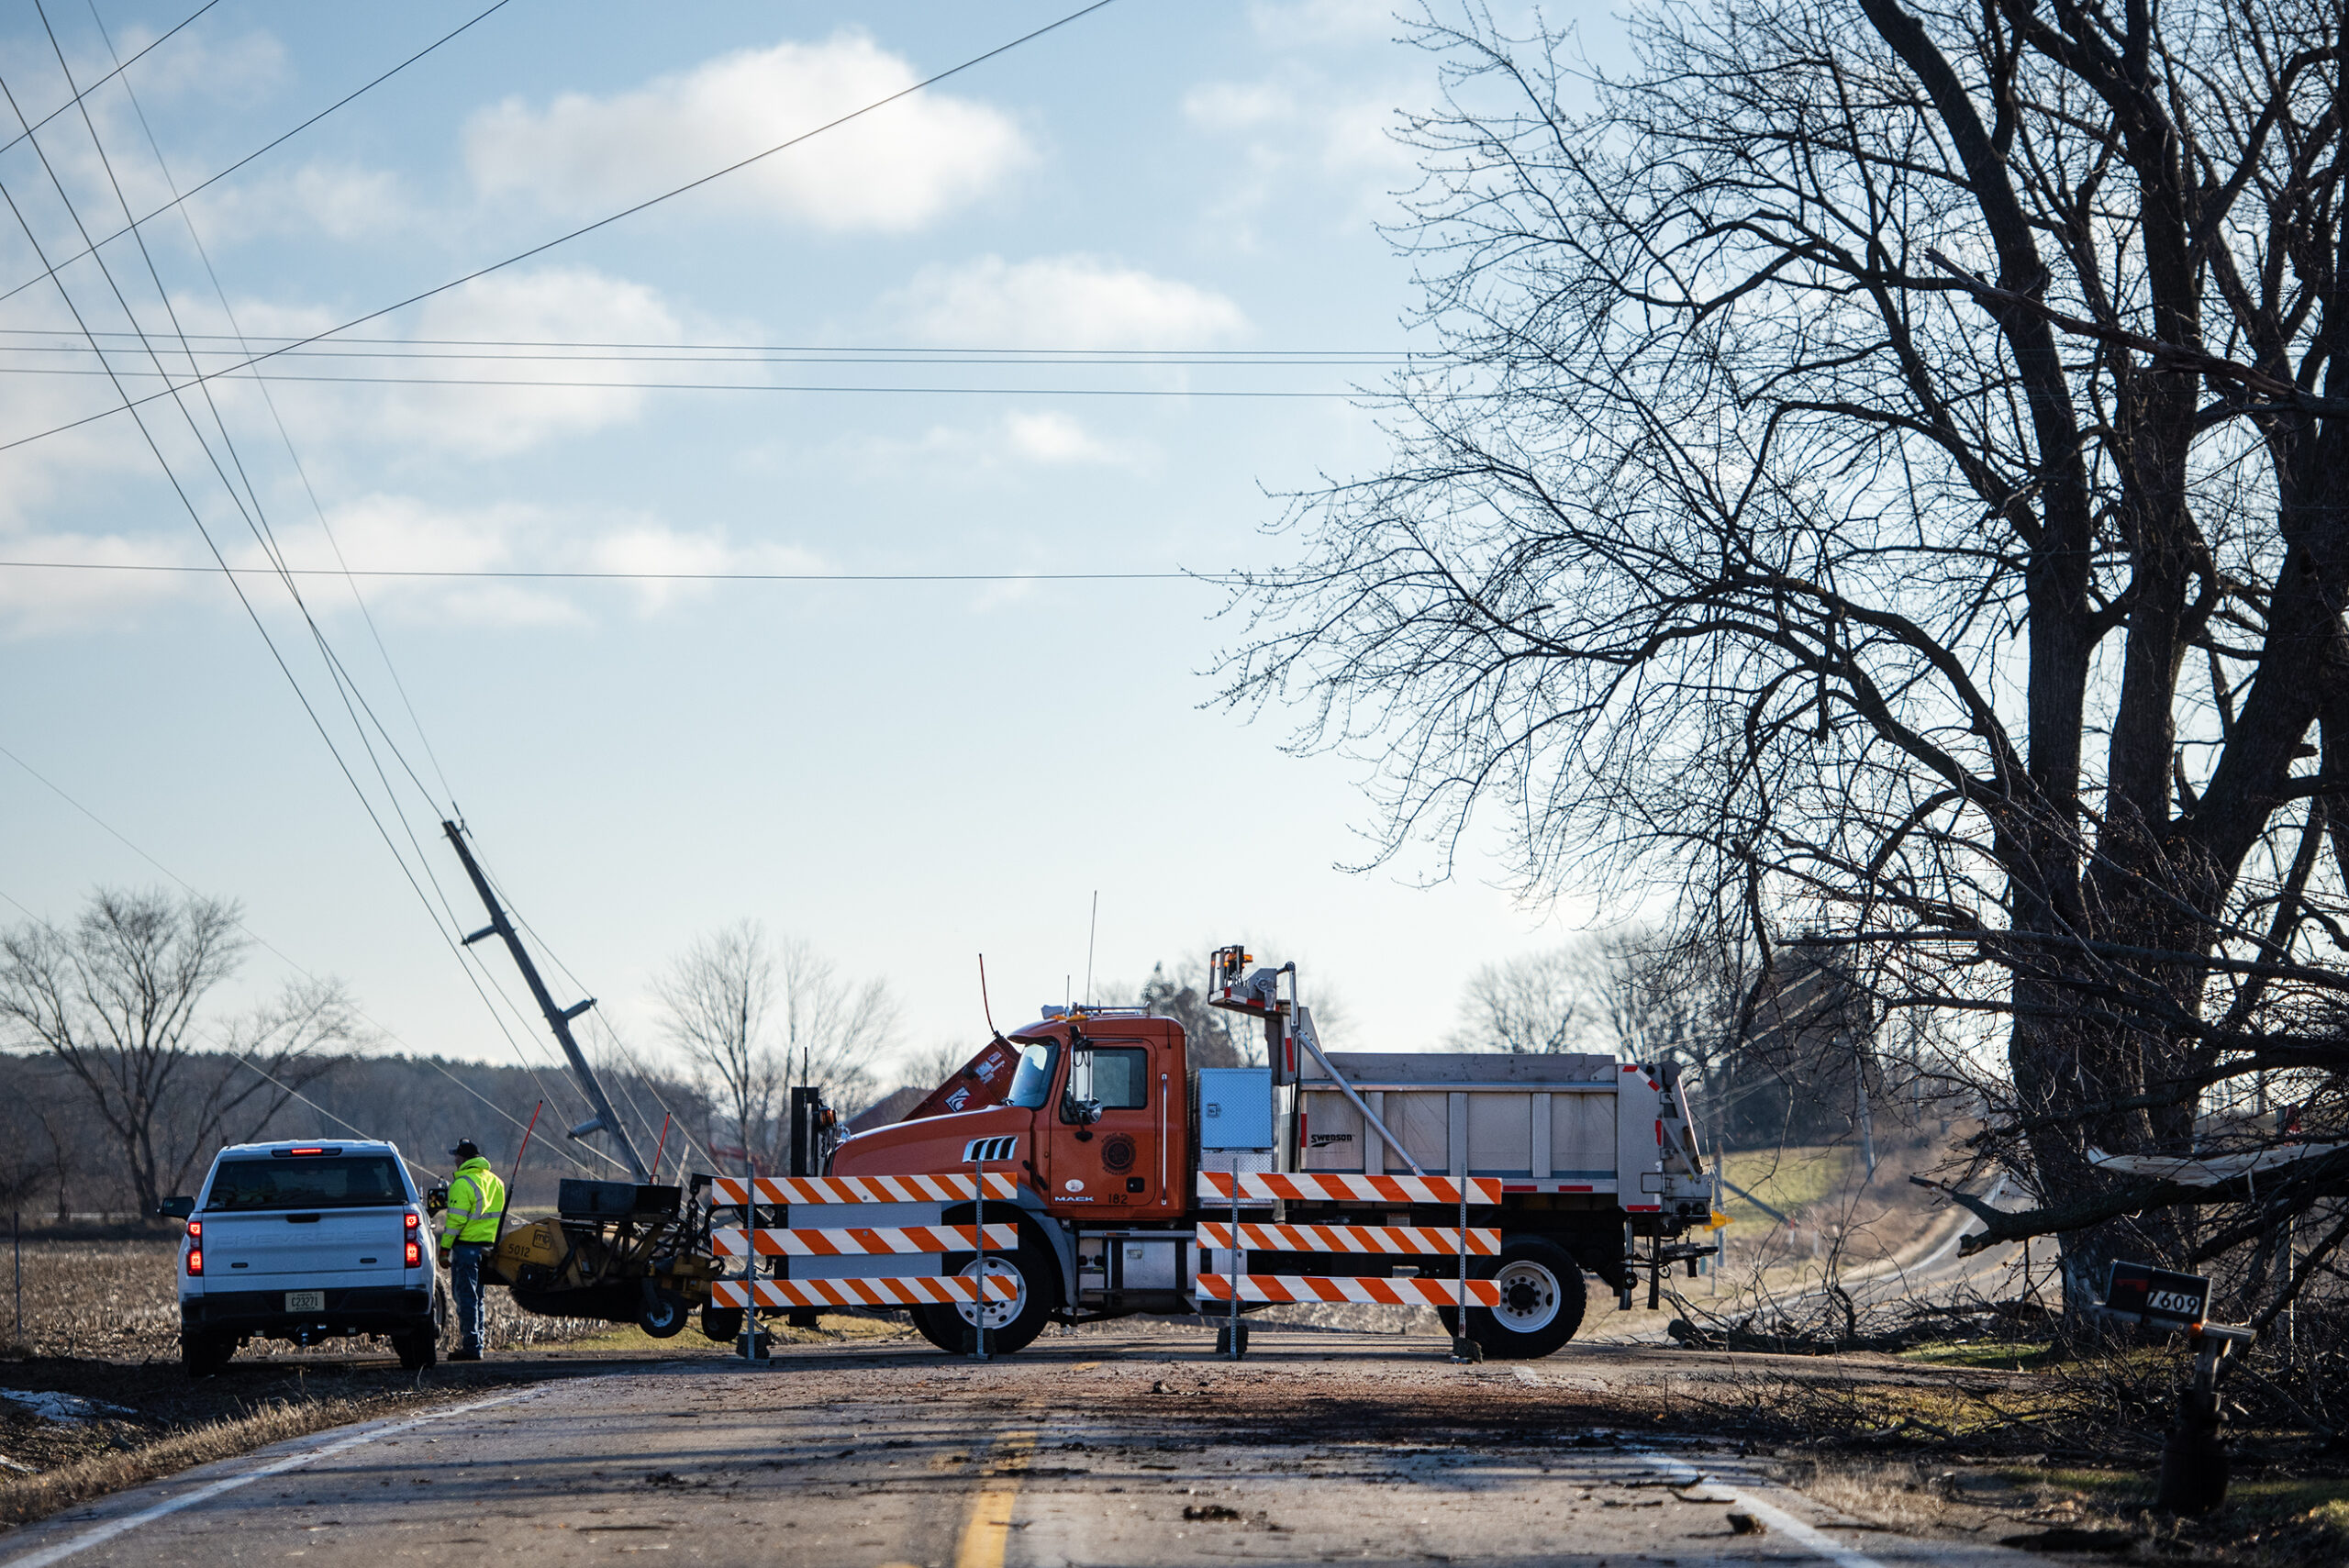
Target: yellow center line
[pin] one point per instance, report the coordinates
(988, 1530)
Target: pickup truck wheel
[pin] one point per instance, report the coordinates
(1542, 1301)
(418, 1350)
(722, 1324)
(204, 1354)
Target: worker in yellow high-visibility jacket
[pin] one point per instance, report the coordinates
(468, 1232)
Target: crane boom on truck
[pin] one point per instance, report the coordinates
(1366, 1172)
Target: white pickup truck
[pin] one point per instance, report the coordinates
(307, 1242)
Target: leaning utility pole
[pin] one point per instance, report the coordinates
(558, 1019)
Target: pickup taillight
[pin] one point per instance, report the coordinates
(195, 1262)
(415, 1255)
(414, 1219)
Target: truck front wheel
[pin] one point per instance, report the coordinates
(1010, 1325)
(1542, 1301)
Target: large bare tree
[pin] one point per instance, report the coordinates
(1888, 478)
(117, 998)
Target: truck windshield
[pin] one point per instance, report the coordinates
(1034, 1080)
(333, 1181)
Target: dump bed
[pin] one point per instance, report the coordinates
(1564, 1123)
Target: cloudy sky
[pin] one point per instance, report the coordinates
(1029, 321)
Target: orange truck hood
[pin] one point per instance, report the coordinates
(937, 1145)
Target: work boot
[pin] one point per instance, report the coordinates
(470, 1353)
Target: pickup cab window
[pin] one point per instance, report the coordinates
(332, 1181)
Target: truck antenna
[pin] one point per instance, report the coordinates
(1091, 931)
(988, 1011)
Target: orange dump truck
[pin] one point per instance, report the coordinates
(1081, 1168)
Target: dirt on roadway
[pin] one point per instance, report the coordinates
(1137, 1449)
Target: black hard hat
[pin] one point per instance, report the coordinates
(465, 1149)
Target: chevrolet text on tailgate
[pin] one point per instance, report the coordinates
(305, 1241)
(1080, 1169)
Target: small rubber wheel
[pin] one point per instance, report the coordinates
(416, 1350)
(205, 1354)
(663, 1314)
(1543, 1301)
(722, 1324)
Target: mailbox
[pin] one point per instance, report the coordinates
(2140, 1293)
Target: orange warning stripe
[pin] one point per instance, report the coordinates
(1376, 1290)
(919, 1291)
(862, 1241)
(1324, 1187)
(1417, 1240)
(861, 1189)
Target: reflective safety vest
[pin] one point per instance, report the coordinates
(476, 1201)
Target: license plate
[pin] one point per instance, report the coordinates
(306, 1301)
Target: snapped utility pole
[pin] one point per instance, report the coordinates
(558, 1019)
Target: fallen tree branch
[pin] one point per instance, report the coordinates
(2327, 1177)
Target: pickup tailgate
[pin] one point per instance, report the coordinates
(316, 1249)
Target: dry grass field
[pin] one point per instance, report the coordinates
(120, 1301)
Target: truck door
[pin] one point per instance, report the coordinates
(1105, 1134)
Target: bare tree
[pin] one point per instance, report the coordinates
(835, 1031)
(718, 997)
(755, 1015)
(116, 999)
(1884, 480)
(1562, 999)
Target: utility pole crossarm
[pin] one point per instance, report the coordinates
(558, 1019)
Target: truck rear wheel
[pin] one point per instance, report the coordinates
(1542, 1301)
(417, 1349)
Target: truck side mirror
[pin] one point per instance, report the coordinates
(177, 1208)
(437, 1199)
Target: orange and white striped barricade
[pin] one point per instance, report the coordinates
(1239, 1238)
(858, 1265)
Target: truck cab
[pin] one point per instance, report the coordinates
(305, 1241)
(1096, 1119)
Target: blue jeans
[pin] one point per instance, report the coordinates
(465, 1275)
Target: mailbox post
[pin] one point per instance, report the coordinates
(2194, 1455)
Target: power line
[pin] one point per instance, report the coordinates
(90, 248)
(604, 222)
(592, 576)
(172, 183)
(195, 517)
(834, 388)
(596, 349)
(120, 66)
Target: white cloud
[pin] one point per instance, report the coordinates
(1061, 302)
(1023, 438)
(342, 201)
(33, 603)
(654, 547)
(552, 304)
(1053, 439)
(195, 64)
(1305, 121)
(892, 171)
(1325, 21)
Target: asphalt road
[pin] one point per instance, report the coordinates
(1097, 1449)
